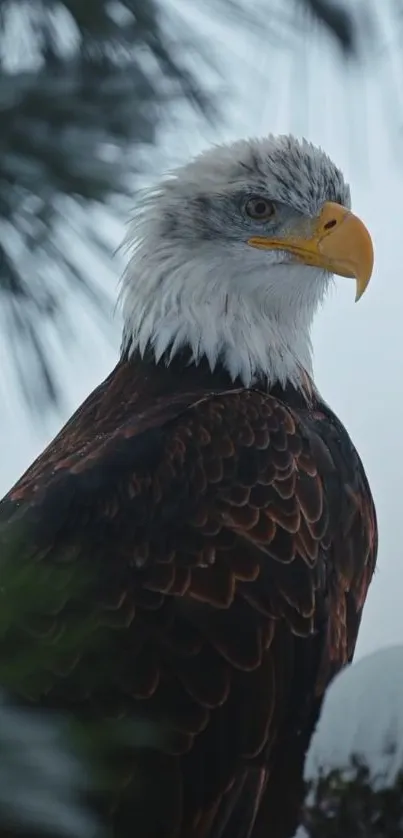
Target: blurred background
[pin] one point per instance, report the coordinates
(98, 98)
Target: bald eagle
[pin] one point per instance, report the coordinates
(212, 502)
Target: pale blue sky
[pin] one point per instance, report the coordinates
(358, 348)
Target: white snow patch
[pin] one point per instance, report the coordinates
(362, 716)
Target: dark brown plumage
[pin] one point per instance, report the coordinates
(229, 538)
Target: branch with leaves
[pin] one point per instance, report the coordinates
(354, 767)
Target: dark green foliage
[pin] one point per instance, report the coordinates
(45, 770)
(55, 769)
(354, 806)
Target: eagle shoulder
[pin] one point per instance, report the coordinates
(231, 539)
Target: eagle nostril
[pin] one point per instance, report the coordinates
(330, 224)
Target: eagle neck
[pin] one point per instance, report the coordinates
(169, 378)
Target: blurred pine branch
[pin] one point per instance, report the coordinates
(43, 782)
(83, 84)
(337, 18)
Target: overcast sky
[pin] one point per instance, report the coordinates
(358, 348)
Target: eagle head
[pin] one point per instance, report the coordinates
(233, 252)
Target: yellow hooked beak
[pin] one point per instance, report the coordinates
(340, 243)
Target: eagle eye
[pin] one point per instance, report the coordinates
(260, 209)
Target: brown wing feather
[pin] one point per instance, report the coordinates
(233, 541)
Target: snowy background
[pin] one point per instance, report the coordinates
(353, 112)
